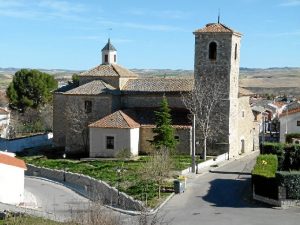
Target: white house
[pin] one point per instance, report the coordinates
(112, 134)
(4, 122)
(289, 120)
(11, 179)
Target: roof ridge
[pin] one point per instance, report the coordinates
(125, 117)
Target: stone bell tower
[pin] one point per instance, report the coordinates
(217, 55)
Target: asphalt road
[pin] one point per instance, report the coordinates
(224, 197)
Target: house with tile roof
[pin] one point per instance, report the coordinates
(113, 108)
(289, 119)
(12, 179)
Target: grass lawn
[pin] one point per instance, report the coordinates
(129, 181)
(28, 220)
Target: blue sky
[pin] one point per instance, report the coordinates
(69, 34)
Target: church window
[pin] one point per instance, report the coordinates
(298, 123)
(176, 138)
(106, 58)
(213, 51)
(243, 114)
(235, 52)
(110, 142)
(88, 106)
(115, 58)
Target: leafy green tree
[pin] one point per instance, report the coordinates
(164, 132)
(75, 79)
(30, 88)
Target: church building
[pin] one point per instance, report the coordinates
(113, 108)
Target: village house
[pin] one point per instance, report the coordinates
(290, 121)
(113, 108)
(12, 179)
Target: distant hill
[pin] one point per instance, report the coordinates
(283, 80)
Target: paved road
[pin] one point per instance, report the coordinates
(224, 197)
(54, 198)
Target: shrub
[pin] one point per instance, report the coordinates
(263, 176)
(266, 166)
(275, 149)
(291, 181)
(291, 158)
(289, 137)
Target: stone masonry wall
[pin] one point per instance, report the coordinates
(59, 121)
(184, 146)
(95, 190)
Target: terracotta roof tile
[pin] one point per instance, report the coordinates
(109, 70)
(158, 85)
(95, 87)
(12, 161)
(117, 119)
(215, 28)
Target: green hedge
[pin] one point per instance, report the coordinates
(263, 176)
(289, 137)
(288, 155)
(291, 181)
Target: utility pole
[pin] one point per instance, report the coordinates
(193, 144)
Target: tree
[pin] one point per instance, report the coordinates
(205, 101)
(30, 88)
(157, 168)
(164, 132)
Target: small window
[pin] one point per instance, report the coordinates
(106, 58)
(298, 123)
(243, 114)
(115, 58)
(110, 142)
(176, 138)
(88, 106)
(213, 51)
(235, 52)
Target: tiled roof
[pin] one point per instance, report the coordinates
(146, 117)
(215, 28)
(291, 108)
(109, 47)
(95, 87)
(65, 88)
(158, 85)
(109, 70)
(117, 119)
(12, 161)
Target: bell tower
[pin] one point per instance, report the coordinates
(109, 54)
(217, 55)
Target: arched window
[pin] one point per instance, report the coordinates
(235, 52)
(213, 51)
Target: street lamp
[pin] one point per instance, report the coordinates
(64, 156)
(119, 170)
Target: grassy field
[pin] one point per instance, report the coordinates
(28, 220)
(129, 181)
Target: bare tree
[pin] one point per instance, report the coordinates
(158, 168)
(205, 101)
(77, 137)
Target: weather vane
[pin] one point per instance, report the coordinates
(219, 16)
(109, 32)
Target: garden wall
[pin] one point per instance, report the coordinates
(91, 188)
(18, 144)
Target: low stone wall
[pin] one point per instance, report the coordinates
(207, 163)
(89, 187)
(281, 202)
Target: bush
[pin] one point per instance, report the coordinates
(291, 181)
(289, 137)
(266, 166)
(291, 158)
(263, 176)
(275, 149)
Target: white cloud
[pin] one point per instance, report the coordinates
(290, 3)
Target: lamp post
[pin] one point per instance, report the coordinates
(64, 157)
(118, 183)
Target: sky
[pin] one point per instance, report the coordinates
(148, 34)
